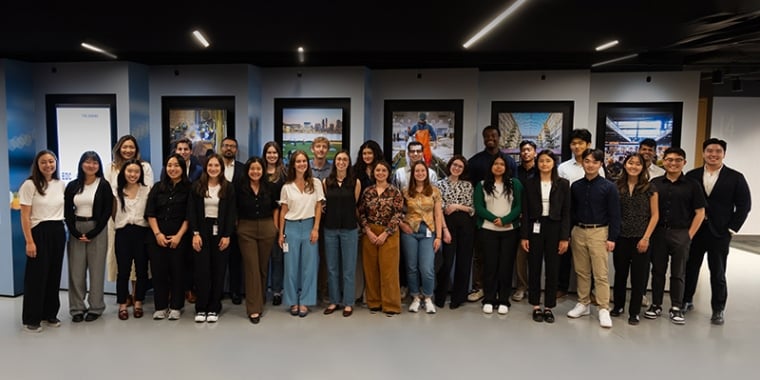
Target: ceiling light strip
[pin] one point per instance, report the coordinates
(98, 50)
(623, 58)
(201, 38)
(512, 8)
(607, 45)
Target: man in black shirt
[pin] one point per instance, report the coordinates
(682, 209)
(527, 169)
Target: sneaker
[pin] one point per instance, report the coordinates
(415, 306)
(488, 308)
(644, 301)
(633, 320)
(604, 318)
(616, 312)
(200, 317)
(676, 316)
(33, 328)
(653, 312)
(429, 306)
(160, 314)
(687, 307)
(212, 317)
(518, 296)
(578, 311)
(476, 295)
(503, 309)
(174, 314)
(53, 322)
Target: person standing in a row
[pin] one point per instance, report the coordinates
(275, 173)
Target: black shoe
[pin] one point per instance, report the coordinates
(440, 304)
(454, 305)
(277, 300)
(687, 307)
(616, 312)
(718, 318)
(375, 309)
(538, 315)
(236, 299)
(255, 320)
(76, 318)
(633, 320)
(548, 316)
(90, 317)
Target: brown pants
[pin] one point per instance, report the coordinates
(381, 272)
(256, 238)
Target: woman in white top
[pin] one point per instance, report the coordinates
(301, 210)
(125, 149)
(41, 200)
(87, 209)
(131, 232)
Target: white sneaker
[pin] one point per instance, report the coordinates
(160, 314)
(212, 317)
(579, 310)
(488, 308)
(33, 328)
(174, 314)
(604, 318)
(200, 317)
(415, 306)
(429, 306)
(503, 309)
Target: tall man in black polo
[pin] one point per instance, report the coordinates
(682, 209)
(526, 170)
(728, 203)
(233, 170)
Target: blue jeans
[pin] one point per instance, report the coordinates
(301, 263)
(341, 248)
(420, 261)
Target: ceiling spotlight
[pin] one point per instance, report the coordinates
(496, 21)
(301, 55)
(98, 50)
(717, 77)
(623, 58)
(201, 38)
(736, 85)
(606, 45)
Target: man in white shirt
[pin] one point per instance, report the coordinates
(648, 149)
(233, 170)
(414, 153)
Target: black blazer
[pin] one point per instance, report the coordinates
(728, 204)
(102, 208)
(226, 219)
(559, 206)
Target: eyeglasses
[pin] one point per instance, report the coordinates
(676, 160)
(229, 146)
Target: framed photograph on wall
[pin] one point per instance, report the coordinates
(620, 127)
(205, 120)
(548, 124)
(298, 121)
(437, 124)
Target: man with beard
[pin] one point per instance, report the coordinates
(233, 170)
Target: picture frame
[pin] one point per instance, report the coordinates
(205, 120)
(297, 121)
(547, 123)
(441, 140)
(620, 127)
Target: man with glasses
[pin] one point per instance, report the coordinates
(414, 153)
(233, 170)
(682, 209)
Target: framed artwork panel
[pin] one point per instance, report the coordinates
(546, 123)
(298, 121)
(205, 120)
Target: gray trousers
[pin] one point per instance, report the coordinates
(87, 258)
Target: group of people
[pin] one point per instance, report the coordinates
(348, 231)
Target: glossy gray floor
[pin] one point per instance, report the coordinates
(458, 344)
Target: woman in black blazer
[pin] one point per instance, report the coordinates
(545, 231)
(211, 217)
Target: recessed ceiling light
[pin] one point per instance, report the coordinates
(606, 45)
(98, 50)
(618, 59)
(201, 38)
(496, 21)
(301, 54)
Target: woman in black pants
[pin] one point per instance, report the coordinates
(545, 232)
(211, 217)
(639, 215)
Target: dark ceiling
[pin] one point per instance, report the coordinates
(540, 35)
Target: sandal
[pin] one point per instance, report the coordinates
(123, 314)
(138, 312)
(294, 310)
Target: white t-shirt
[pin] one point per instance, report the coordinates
(211, 203)
(498, 205)
(84, 200)
(572, 171)
(48, 207)
(301, 205)
(134, 209)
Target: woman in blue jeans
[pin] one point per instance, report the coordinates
(422, 230)
(342, 191)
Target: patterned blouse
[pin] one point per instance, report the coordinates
(385, 209)
(421, 208)
(456, 193)
(635, 212)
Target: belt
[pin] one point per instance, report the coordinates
(582, 225)
(84, 218)
(299, 220)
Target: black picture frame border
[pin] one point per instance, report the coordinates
(566, 107)
(169, 103)
(76, 100)
(281, 104)
(604, 108)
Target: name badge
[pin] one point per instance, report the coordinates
(537, 228)
(428, 233)
(285, 247)
(215, 230)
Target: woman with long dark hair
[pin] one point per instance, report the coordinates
(341, 233)
(131, 232)
(639, 216)
(42, 203)
(212, 214)
(258, 216)
(545, 231)
(166, 211)
(301, 212)
(370, 154)
(88, 207)
(275, 174)
(498, 205)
